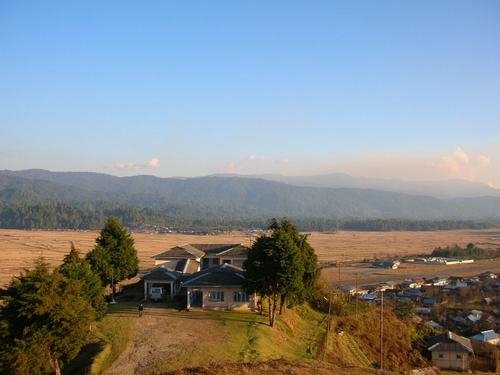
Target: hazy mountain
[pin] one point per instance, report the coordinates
(439, 189)
(234, 196)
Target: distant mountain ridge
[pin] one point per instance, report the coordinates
(236, 197)
(439, 189)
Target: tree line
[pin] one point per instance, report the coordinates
(68, 216)
(471, 251)
(46, 315)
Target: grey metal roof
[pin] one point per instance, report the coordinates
(199, 250)
(485, 336)
(451, 341)
(220, 275)
(160, 274)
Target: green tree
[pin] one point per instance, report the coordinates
(76, 268)
(274, 268)
(405, 310)
(114, 253)
(45, 322)
(309, 261)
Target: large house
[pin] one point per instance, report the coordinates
(451, 352)
(190, 258)
(209, 275)
(218, 288)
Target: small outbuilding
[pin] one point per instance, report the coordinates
(451, 352)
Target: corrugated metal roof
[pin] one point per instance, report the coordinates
(160, 273)
(220, 275)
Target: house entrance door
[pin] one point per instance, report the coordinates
(196, 298)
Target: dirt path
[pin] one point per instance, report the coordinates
(162, 334)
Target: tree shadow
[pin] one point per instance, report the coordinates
(81, 364)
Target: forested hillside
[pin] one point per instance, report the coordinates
(72, 200)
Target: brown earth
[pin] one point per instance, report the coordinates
(162, 334)
(19, 248)
(277, 367)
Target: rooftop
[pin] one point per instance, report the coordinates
(199, 250)
(221, 275)
(449, 341)
(486, 336)
(160, 274)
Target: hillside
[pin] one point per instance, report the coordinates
(167, 340)
(439, 189)
(216, 199)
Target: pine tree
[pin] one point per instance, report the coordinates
(44, 322)
(114, 253)
(76, 268)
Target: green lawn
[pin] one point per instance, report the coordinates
(246, 337)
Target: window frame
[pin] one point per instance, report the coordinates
(216, 296)
(241, 297)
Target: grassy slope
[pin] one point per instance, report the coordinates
(295, 336)
(111, 336)
(114, 332)
(355, 341)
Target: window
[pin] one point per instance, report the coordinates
(226, 261)
(240, 297)
(215, 261)
(441, 356)
(459, 356)
(216, 296)
(206, 263)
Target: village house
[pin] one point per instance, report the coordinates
(489, 336)
(486, 276)
(451, 352)
(391, 264)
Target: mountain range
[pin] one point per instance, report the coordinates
(455, 188)
(334, 196)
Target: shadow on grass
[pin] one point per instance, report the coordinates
(81, 364)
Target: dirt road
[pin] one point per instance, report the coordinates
(160, 335)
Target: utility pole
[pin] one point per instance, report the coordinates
(328, 324)
(112, 286)
(382, 330)
(356, 295)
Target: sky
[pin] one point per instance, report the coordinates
(390, 89)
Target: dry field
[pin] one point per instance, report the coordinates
(19, 248)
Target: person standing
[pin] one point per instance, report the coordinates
(141, 309)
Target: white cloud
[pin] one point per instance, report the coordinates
(232, 167)
(461, 156)
(154, 163)
(151, 164)
(484, 161)
(125, 165)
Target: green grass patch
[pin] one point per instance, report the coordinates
(247, 337)
(114, 332)
(110, 338)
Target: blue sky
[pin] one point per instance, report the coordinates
(406, 89)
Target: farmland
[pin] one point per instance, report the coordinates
(19, 248)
